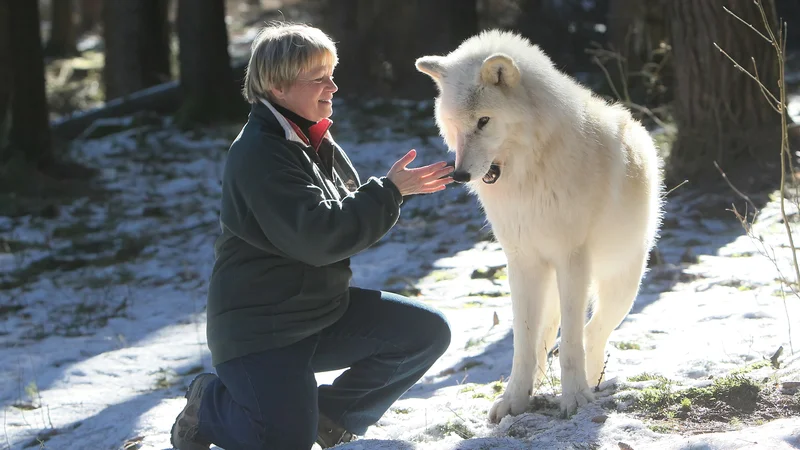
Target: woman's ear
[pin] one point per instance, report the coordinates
(277, 93)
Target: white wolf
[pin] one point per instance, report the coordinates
(571, 186)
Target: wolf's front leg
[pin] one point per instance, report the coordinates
(527, 280)
(572, 276)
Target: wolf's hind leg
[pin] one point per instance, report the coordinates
(615, 296)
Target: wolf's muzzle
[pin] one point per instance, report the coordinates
(461, 176)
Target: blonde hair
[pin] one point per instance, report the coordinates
(280, 52)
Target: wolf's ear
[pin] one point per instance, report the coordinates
(500, 70)
(431, 65)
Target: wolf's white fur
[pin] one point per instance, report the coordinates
(576, 209)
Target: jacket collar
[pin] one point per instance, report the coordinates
(277, 123)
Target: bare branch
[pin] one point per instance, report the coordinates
(608, 76)
(763, 88)
(738, 66)
(744, 22)
(673, 189)
(736, 190)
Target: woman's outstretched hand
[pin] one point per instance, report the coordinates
(420, 180)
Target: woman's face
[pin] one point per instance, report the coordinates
(311, 95)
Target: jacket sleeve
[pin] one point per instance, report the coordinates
(296, 217)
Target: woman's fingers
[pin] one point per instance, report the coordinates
(433, 170)
(435, 185)
(431, 189)
(440, 182)
(404, 161)
(439, 173)
(419, 180)
(430, 167)
(433, 181)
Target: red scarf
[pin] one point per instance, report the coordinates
(316, 132)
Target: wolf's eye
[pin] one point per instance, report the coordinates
(482, 122)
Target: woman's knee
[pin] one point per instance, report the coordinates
(436, 333)
(444, 334)
(417, 328)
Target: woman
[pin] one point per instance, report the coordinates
(280, 304)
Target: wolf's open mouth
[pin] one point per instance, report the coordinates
(492, 175)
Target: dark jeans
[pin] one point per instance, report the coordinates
(270, 400)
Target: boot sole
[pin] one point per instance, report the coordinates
(187, 445)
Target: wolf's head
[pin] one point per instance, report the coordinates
(484, 107)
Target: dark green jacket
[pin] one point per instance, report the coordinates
(289, 226)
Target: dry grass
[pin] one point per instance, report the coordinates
(729, 402)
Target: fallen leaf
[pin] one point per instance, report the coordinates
(133, 443)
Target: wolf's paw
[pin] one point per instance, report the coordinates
(505, 406)
(514, 401)
(571, 401)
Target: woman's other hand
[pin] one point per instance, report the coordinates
(420, 180)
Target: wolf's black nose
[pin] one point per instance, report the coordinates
(461, 176)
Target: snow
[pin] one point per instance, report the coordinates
(98, 354)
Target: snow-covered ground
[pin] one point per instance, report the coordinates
(103, 310)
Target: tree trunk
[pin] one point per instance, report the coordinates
(22, 77)
(91, 14)
(136, 34)
(378, 42)
(6, 78)
(639, 65)
(62, 40)
(497, 13)
(206, 76)
(541, 23)
(721, 114)
(155, 42)
(626, 30)
(563, 29)
(789, 12)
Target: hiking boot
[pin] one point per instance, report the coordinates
(184, 430)
(329, 434)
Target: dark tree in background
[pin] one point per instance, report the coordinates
(721, 113)
(62, 41)
(635, 29)
(207, 81)
(6, 77)
(91, 14)
(563, 29)
(789, 12)
(638, 58)
(136, 34)
(156, 41)
(378, 42)
(24, 123)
